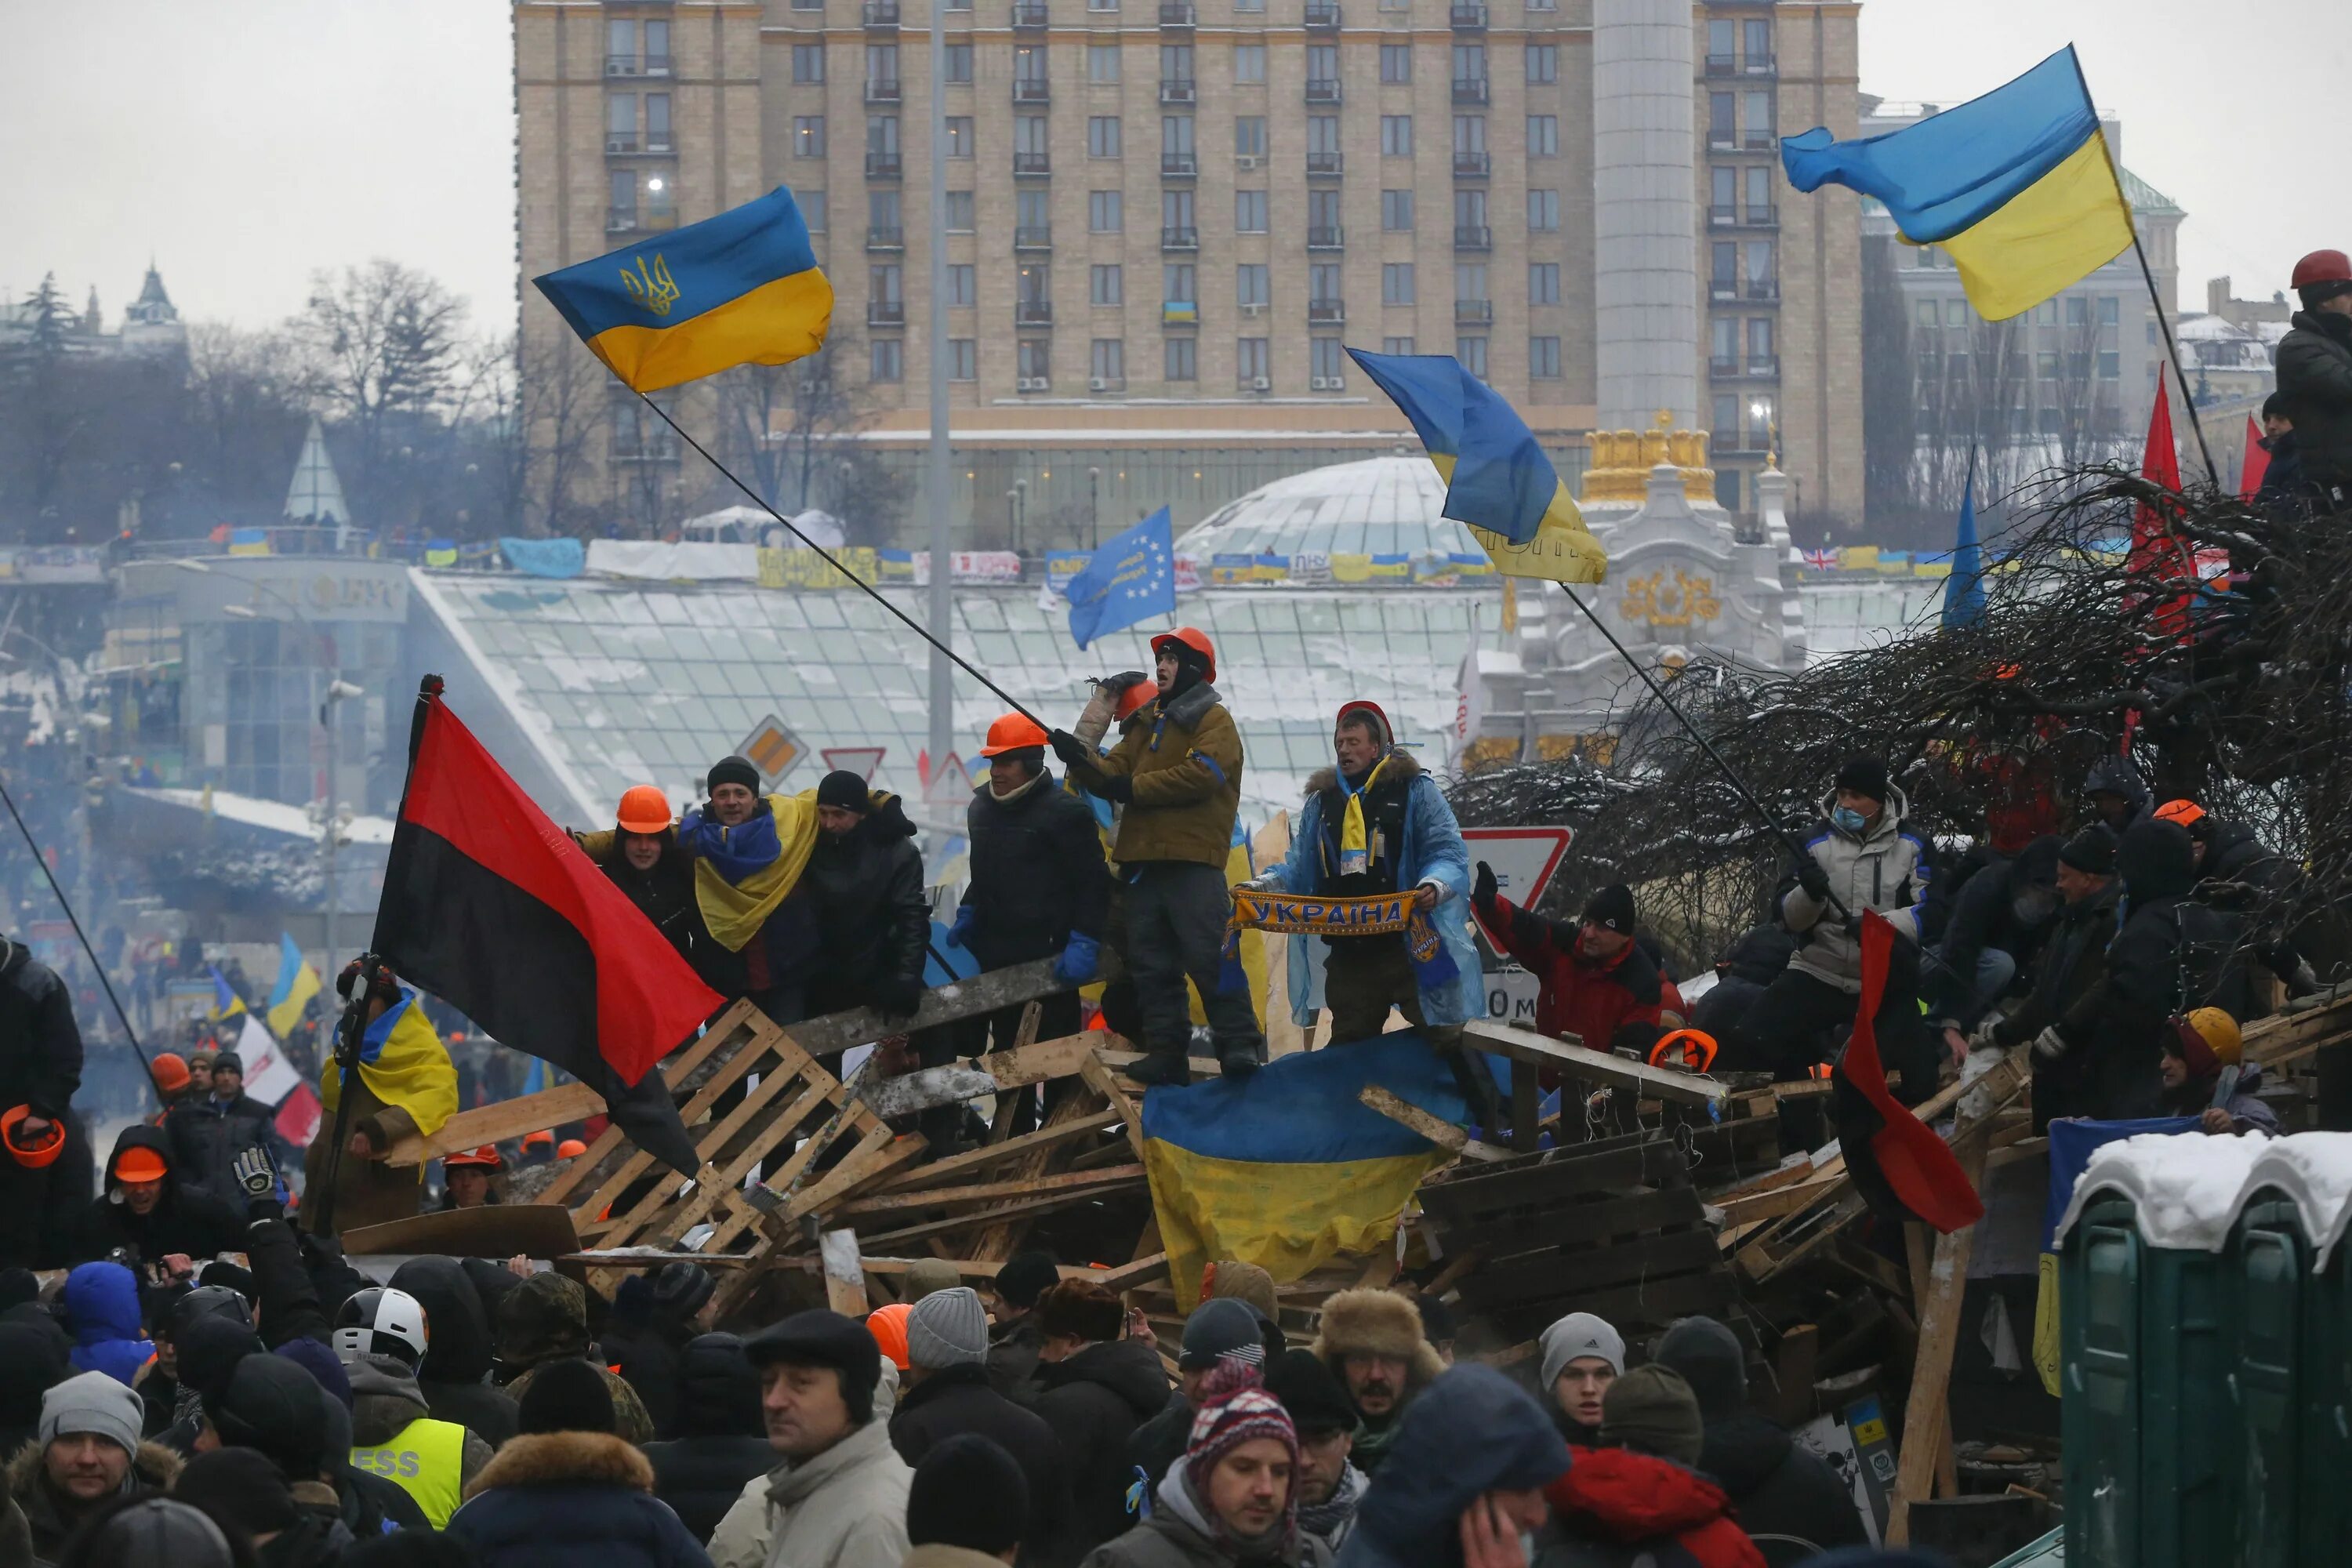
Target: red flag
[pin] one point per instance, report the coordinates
(492, 908)
(2156, 551)
(298, 1120)
(1918, 1164)
(2257, 461)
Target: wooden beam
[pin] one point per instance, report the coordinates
(844, 1272)
(940, 1172)
(1104, 1082)
(1926, 1416)
(1577, 1062)
(1127, 1276)
(1443, 1133)
(1004, 1218)
(895, 1203)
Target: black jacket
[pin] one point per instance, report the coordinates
(958, 1399)
(664, 895)
(650, 1361)
(1093, 1401)
(1754, 961)
(454, 1378)
(572, 1496)
(207, 1136)
(2008, 908)
(2315, 379)
(873, 919)
(1037, 873)
(720, 1442)
(40, 1046)
(2283, 480)
(185, 1219)
(2120, 1034)
(1012, 1357)
(1778, 1487)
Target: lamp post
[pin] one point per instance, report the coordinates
(1093, 508)
(1760, 412)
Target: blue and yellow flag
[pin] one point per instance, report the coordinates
(1286, 1167)
(742, 287)
(1498, 479)
(227, 1003)
(402, 1062)
(2017, 185)
(296, 984)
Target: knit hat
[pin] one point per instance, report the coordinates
(1613, 907)
(1025, 1277)
(947, 1328)
(1863, 776)
(96, 1403)
(2092, 850)
(1711, 1359)
(1235, 1408)
(1083, 1310)
(846, 789)
(1224, 1327)
(818, 1337)
(1243, 1282)
(229, 1061)
(325, 1367)
(888, 1326)
(680, 1288)
(2208, 1040)
(142, 1532)
(732, 770)
(209, 1347)
(1652, 1410)
(566, 1396)
(1577, 1335)
(271, 1404)
(1317, 1405)
(967, 1492)
(239, 1487)
(926, 1276)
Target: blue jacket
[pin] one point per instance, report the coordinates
(1433, 851)
(1472, 1430)
(102, 1309)
(559, 1499)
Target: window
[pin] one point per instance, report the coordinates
(2111, 365)
(1396, 346)
(1470, 208)
(960, 137)
(621, 115)
(882, 210)
(1761, 272)
(1105, 212)
(2078, 310)
(1176, 134)
(624, 192)
(1759, 191)
(1102, 63)
(959, 63)
(656, 120)
(1326, 360)
(621, 39)
(1176, 209)
(1249, 212)
(1323, 283)
(813, 209)
(1396, 282)
(1175, 62)
(1760, 338)
(1250, 283)
(1249, 63)
(1470, 134)
(1102, 4)
(1182, 361)
(1323, 62)
(1035, 285)
(1102, 136)
(1723, 334)
(1178, 285)
(1543, 212)
(890, 359)
(1470, 280)
(1036, 359)
(1469, 62)
(1543, 5)
(1396, 135)
(1543, 283)
(1543, 135)
(1033, 211)
(1029, 64)
(1396, 211)
(886, 284)
(881, 62)
(1543, 358)
(814, 5)
(1725, 427)
(1723, 272)
(1759, 40)
(1756, 115)
(808, 62)
(808, 136)
(1472, 353)
(1721, 129)
(1323, 210)
(1543, 64)
(960, 212)
(882, 133)
(1249, 136)
(1107, 285)
(963, 359)
(2109, 309)
(1723, 192)
(1255, 6)
(1323, 135)
(1107, 360)
(1252, 361)
(963, 288)
(1396, 62)
(1029, 134)
(1761, 412)
(657, 45)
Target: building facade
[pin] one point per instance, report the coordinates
(1166, 217)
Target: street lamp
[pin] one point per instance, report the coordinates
(1093, 508)
(1759, 411)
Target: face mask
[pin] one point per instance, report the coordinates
(2032, 909)
(1853, 821)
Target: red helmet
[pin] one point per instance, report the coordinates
(485, 1158)
(1014, 732)
(1193, 638)
(2321, 267)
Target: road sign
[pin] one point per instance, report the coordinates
(1524, 859)
(949, 784)
(775, 750)
(859, 759)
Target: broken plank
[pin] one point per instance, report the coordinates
(940, 1172)
(898, 1202)
(844, 1272)
(1929, 1409)
(1438, 1130)
(1104, 1082)
(996, 1219)
(1588, 1066)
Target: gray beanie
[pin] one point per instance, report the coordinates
(95, 1403)
(1580, 1334)
(947, 1328)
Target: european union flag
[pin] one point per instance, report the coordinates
(742, 287)
(1131, 578)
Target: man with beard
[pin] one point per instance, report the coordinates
(1372, 1341)
(1330, 1487)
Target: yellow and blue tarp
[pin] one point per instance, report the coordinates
(2017, 185)
(742, 287)
(296, 984)
(1286, 1168)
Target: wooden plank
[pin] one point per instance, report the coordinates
(889, 1204)
(1652, 1303)
(866, 1167)
(1000, 1237)
(1127, 1276)
(1002, 1218)
(1577, 1062)
(940, 1172)
(1927, 1416)
(1096, 1072)
(1571, 1276)
(1767, 1204)
(1443, 1133)
(1526, 1104)
(724, 1182)
(844, 1272)
(1581, 1224)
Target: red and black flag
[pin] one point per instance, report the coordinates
(1887, 1149)
(491, 907)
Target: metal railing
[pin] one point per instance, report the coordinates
(879, 13)
(1033, 162)
(1322, 16)
(1173, 91)
(886, 312)
(1032, 313)
(1473, 237)
(882, 165)
(1327, 236)
(882, 90)
(1474, 310)
(619, 142)
(1722, 65)
(1176, 14)
(1029, 14)
(658, 65)
(1323, 90)
(1467, 18)
(1326, 313)
(885, 236)
(1763, 289)
(1471, 165)
(1032, 90)
(1469, 89)
(1178, 238)
(1034, 236)
(1323, 166)
(1179, 166)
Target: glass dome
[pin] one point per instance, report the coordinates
(1381, 506)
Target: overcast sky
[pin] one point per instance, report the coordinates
(244, 144)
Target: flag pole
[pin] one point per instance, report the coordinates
(912, 624)
(71, 919)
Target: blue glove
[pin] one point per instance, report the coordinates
(961, 926)
(1079, 961)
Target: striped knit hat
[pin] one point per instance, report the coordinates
(1234, 1408)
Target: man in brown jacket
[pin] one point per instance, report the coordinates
(1177, 772)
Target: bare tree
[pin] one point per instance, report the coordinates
(385, 348)
(245, 412)
(49, 415)
(1890, 377)
(564, 396)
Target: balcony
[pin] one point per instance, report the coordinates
(1766, 290)
(1327, 314)
(1720, 289)
(1473, 237)
(622, 65)
(1323, 90)
(1176, 14)
(1470, 89)
(1033, 313)
(1760, 65)
(1762, 367)
(1759, 140)
(1029, 16)
(630, 220)
(1474, 312)
(1471, 165)
(1180, 314)
(1322, 16)
(1028, 164)
(1323, 166)
(882, 90)
(1179, 166)
(1179, 238)
(1036, 90)
(1722, 65)
(1327, 236)
(658, 65)
(885, 236)
(1034, 236)
(618, 143)
(882, 165)
(886, 312)
(1760, 214)
(1467, 17)
(1747, 367)
(1184, 91)
(661, 141)
(878, 12)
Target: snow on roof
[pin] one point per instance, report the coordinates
(2188, 1189)
(270, 816)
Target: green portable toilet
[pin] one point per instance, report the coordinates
(2268, 1263)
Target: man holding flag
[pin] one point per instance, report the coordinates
(407, 1087)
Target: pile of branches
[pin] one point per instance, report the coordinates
(2213, 654)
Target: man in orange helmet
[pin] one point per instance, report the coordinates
(1178, 775)
(466, 1177)
(2314, 375)
(641, 858)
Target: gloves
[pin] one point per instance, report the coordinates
(1981, 1038)
(2048, 1044)
(899, 995)
(1073, 751)
(1078, 960)
(1486, 890)
(965, 918)
(254, 1173)
(1853, 927)
(1118, 788)
(1813, 880)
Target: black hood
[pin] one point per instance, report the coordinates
(1760, 953)
(1128, 1368)
(14, 956)
(2036, 865)
(140, 1136)
(2115, 775)
(718, 1390)
(458, 1332)
(1742, 1451)
(2157, 861)
(1710, 1359)
(30, 1361)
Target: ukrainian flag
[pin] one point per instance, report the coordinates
(1285, 1167)
(1497, 475)
(2017, 185)
(227, 1003)
(296, 984)
(402, 1062)
(741, 288)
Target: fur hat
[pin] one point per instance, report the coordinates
(1376, 1322)
(1242, 1281)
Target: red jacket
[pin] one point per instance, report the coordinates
(1588, 998)
(1613, 1497)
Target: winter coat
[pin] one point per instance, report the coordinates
(1432, 851)
(102, 1311)
(1156, 1446)
(2119, 1033)
(845, 1508)
(1589, 998)
(367, 1191)
(874, 920)
(545, 1319)
(208, 1135)
(2248, 1113)
(1013, 1350)
(52, 1518)
(2072, 967)
(1093, 1401)
(1037, 873)
(958, 1399)
(454, 1378)
(2006, 907)
(386, 1399)
(1185, 759)
(185, 1219)
(1778, 1486)
(40, 1064)
(1755, 961)
(1616, 1508)
(720, 1441)
(2284, 485)
(649, 1362)
(1885, 869)
(559, 1499)
(664, 895)
(2115, 775)
(1471, 1430)
(2314, 380)
(1179, 1535)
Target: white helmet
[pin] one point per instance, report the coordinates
(381, 1321)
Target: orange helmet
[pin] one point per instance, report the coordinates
(1014, 732)
(2187, 813)
(43, 1150)
(170, 1072)
(543, 1139)
(1131, 701)
(643, 809)
(571, 1148)
(888, 1326)
(1194, 638)
(138, 1164)
(485, 1158)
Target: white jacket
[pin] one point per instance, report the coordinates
(847, 1508)
(1885, 870)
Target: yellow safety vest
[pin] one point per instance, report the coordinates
(427, 1459)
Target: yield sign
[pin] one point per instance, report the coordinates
(1524, 859)
(859, 759)
(950, 782)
